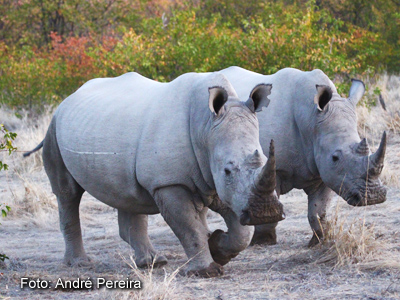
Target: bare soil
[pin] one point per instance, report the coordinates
(287, 270)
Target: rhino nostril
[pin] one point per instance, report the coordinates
(335, 158)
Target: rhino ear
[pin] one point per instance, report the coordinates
(217, 98)
(323, 96)
(259, 97)
(357, 90)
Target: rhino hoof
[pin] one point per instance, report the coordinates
(149, 262)
(213, 270)
(217, 255)
(315, 240)
(266, 238)
(81, 261)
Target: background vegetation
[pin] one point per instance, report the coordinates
(6, 139)
(49, 48)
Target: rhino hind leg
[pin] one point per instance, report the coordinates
(133, 230)
(69, 194)
(318, 200)
(177, 207)
(70, 227)
(264, 234)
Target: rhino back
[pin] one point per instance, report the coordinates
(287, 120)
(122, 138)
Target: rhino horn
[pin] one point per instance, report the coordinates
(362, 147)
(376, 159)
(266, 180)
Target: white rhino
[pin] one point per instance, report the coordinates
(318, 148)
(146, 147)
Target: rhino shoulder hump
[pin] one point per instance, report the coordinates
(234, 69)
(318, 72)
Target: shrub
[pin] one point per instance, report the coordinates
(5, 144)
(189, 36)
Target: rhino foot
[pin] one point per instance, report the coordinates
(264, 238)
(213, 270)
(218, 256)
(80, 261)
(151, 262)
(315, 240)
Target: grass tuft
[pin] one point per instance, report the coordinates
(154, 286)
(355, 242)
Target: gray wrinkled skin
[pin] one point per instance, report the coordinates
(145, 147)
(317, 145)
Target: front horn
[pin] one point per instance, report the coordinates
(266, 180)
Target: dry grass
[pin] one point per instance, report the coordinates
(154, 286)
(30, 197)
(375, 119)
(390, 175)
(372, 121)
(351, 241)
(34, 202)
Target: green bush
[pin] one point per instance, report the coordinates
(5, 144)
(43, 67)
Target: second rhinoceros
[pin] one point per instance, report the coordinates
(145, 147)
(318, 148)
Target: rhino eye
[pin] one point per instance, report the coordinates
(227, 172)
(336, 155)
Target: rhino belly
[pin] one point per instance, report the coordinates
(108, 178)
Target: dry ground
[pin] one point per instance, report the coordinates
(361, 259)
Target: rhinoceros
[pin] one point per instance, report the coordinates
(145, 147)
(318, 148)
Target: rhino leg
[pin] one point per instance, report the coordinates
(226, 245)
(69, 194)
(177, 207)
(264, 234)
(318, 200)
(133, 230)
(203, 218)
(68, 207)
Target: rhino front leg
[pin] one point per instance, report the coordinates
(226, 245)
(264, 234)
(177, 207)
(318, 200)
(203, 218)
(133, 230)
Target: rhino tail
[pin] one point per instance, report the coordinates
(38, 147)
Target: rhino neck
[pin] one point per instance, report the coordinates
(304, 124)
(199, 127)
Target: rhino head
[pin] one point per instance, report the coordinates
(245, 180)
(345, 162)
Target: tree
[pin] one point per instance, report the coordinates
(5, 144)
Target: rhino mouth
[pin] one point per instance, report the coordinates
(271, 212)
(367, 196)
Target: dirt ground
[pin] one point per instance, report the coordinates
(287, 270)
(360, 260)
